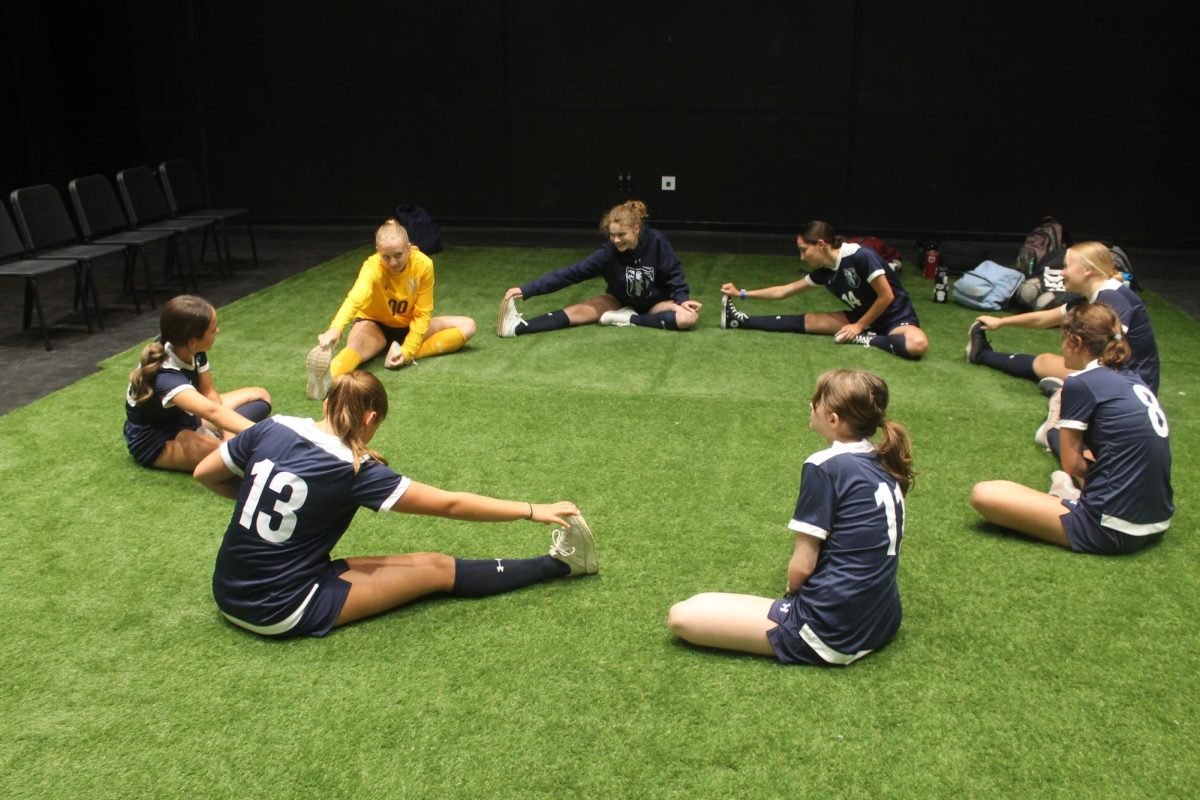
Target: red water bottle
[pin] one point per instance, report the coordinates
(933, 260)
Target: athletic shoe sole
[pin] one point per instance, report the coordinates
(975, 331)
(505, 306)
(1048, 386)
(319, 380)
(585, 563)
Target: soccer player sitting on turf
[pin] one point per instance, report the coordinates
(174, 415)
(842, 599)
(1112, 437)
(1089, 271)
(391, 305)
(297, 484)
(880, 313)
(644, 283)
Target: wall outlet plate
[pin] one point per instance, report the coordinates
(668, 183)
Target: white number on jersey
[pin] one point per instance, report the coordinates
(895, 526)
(286, 509)
(1158, 420)
(850, 299)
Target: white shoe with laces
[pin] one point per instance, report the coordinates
(620, 318)
(863, 339)
(509, 319)
(319, 379)
(575, 546)
(1053, 412)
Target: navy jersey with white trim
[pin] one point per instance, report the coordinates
(298, 495)
(851, 277)
(851, 601)
(173, 377)
(1135, 322)
(650, 273)
(1127, 432)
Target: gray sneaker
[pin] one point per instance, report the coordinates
(977, 342)
(863, 339)
(1048, 386)
(319, 379)
(1062, 486)
(575, 546)
(509, 319)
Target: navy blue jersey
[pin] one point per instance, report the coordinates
(851, 602)
(298, 495)
(173, 377)
(851, 278)
(1128, 488)
(1135, 324)
(648, 274)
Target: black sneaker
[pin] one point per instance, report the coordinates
(977, 342)
(1048, 386)
(730, 316)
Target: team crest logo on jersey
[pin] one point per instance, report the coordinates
(412, 286)
(638, 280)
(851, 277)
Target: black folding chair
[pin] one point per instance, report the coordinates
(13, 264)
(185, 197)
(102, 221)
(147, 210)
(49, 233)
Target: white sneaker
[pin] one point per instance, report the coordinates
(575, 546)
(863, 339)
(509, 319)
(1053, 412)
(620, 317)
(319, 379)
(1062, 486)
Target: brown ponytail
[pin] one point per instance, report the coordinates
(860, 399)
(346, 407)
(630, 214)
(818, 231)
(1098, 329)
(183, 319)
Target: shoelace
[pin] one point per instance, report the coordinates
(556, 546)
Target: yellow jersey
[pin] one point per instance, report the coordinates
(399, 300)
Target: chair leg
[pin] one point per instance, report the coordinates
(90, 282)
(81, 285)
(250, 234)
(146, 274)
(33, 299)
(189, 265)
(131, 259)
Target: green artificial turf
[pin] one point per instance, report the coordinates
(1021, 670)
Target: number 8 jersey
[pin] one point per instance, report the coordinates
(298, 495)
(1128, 488)
(850, 604)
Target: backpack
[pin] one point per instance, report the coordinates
(422, 230)
(1039, 243)
(888, 252)
(987, 287)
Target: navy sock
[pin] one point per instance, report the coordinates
(255, 410)
(1052, 438)
(892, 343)
(480, 578)
(552, 321)
(1019, 365)
(663, 319)
(782, 324)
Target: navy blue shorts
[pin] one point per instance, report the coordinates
(1087, 535)
(324, 606)
(146, 442)
(790, 648)
(392, 335)
(900, 312)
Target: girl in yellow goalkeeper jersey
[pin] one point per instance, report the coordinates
(390, 306)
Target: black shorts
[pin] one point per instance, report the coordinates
(900, 312)
(392, 335)
(790, 648)
(321, 609)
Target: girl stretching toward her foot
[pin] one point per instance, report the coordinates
(643, 281)
(880, 313)
(297, 484)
